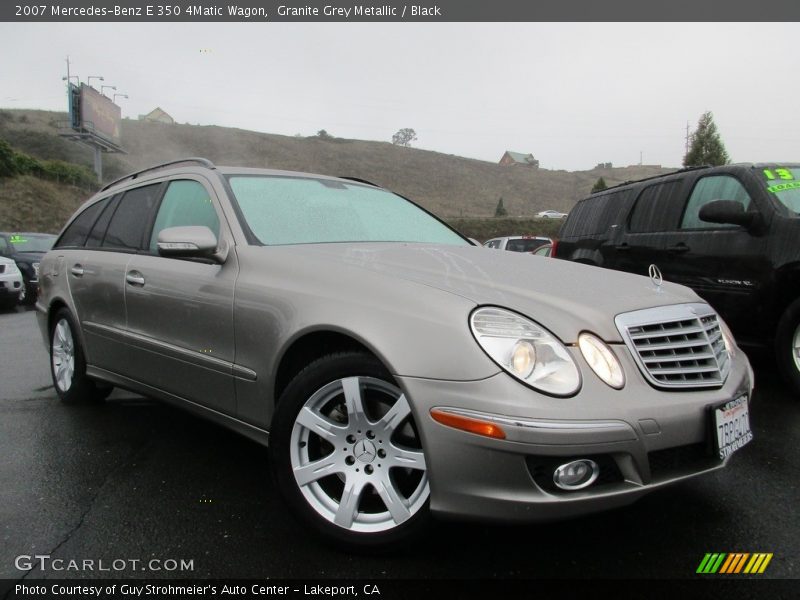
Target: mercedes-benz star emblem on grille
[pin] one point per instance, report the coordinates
(655, 276)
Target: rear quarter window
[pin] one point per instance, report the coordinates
(594, 215)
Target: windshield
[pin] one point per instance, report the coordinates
(26, 242)
(293, 210)
(784, 184)
(525, 245)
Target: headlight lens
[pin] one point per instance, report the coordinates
(602, 360)
(727, 337)
(526, 350)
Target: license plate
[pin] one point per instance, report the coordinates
(732, 424)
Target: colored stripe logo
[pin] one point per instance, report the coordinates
(734, 563)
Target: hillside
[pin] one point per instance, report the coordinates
(450, 186)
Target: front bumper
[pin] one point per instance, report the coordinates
(10, 286)
(641, 437)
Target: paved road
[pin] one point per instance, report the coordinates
(133, 479)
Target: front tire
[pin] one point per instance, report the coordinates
(346, 454)
(68, 364)
(787, 345)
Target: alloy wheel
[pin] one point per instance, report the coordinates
(63, 355)
(356, 455)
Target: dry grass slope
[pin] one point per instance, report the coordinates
(450, 186)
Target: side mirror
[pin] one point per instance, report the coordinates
(195, 241)
(728, 212)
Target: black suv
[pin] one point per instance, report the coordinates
(730, 233)
(27, 250)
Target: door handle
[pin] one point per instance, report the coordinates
(134, 278)
(622, 247)
(77, 270)
(678, 248)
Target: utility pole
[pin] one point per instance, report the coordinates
(688, 136)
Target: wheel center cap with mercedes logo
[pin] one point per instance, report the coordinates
(365, 451)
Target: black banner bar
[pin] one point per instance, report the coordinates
(398, 11)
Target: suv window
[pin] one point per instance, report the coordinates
(596, 214)
(186, 203)
(75, 234)
(708, 189)
(126, 230)
(658, 208)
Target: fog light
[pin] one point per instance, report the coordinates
(576, 475)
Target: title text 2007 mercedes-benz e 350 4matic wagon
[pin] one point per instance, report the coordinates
(395, 369)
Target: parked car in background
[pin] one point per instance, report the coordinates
(27, 249)
(517, 243)
(551, 214)
(11, 286)
(546, 250)
(728, 232)
(394, 369)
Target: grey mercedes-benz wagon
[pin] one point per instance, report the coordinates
(394, 369)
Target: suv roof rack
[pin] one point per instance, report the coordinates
(194, 159)
(630, 181)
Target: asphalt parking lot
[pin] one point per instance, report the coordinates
(134, 479)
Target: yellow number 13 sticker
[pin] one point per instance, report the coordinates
(778, 174)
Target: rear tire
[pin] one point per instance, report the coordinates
(68, 364)
(787, 346)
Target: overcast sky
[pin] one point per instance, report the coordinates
(571, 94)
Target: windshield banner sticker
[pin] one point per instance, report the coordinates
(781, 187)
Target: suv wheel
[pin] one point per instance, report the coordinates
(347, 456)
(68, 365)
(787, 345)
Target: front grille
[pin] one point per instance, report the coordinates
(677, 346)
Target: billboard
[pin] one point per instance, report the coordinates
(91, 112)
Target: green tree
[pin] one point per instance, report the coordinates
(707, 147)
(599, 185)
(8, 165)
(404, 137)
(500, 211)
(324, 135)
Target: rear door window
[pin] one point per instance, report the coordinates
(126, 230)
(708, 189)
(75, 234)
(658, 208)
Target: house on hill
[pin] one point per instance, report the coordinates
(157, 115)
(518, 158)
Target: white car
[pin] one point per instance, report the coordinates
(551, 214)
(517, 243)
(10, 283)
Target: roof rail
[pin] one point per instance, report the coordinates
(358, 180)
(683, 170)
(201, 161)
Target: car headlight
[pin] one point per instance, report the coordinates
(727, 337)
(602, 360)
(526, 350)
